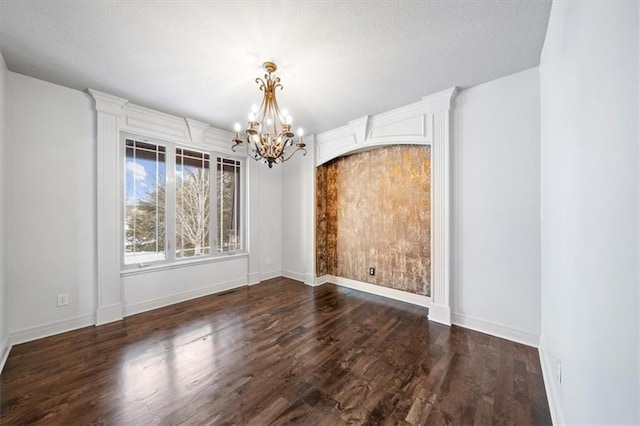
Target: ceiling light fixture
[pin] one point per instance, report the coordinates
(268, 132)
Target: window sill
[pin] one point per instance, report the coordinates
(180, 264)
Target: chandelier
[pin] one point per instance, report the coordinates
(268, 133)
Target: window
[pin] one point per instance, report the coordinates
(172, 203)
(228, 182)
(193, 206)
(145, 189)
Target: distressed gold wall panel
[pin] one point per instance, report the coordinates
(321, 221)
(374, 210)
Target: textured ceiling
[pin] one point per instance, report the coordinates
(338, 60)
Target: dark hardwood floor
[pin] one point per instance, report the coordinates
(279, 352)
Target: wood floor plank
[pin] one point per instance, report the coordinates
(276, 353)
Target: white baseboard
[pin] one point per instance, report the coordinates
(5, 349)
(548, 375)
(391, 293)
(57, 327)
(323, 280)
(496, 329)
(160, 302)
(293, 275)
(107, 314)
(253, 278)
(269, 275)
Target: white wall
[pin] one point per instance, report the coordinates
(50, 211)
(589, 102)
(496, 207)
(4, 333)
(152, 289)
(269, 222)
(296, 211)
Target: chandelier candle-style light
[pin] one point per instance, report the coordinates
(268, 132)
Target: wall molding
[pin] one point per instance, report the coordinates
(426, 122)
(548, 375)
(496, 329)
(116, 115)
(407, 125)
(270, 275)
(53, 328)
(324, 279)
(294, 275)
(149, 305)
(108, 221)
(389, 293)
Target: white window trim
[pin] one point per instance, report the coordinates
(114, 116)
(171, 260)
(181, 264)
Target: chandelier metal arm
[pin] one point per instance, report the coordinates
(304, 153)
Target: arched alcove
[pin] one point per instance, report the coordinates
(425, 123)
(373, 210)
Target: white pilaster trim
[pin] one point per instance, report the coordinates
(440, 313)
(107, 103)
(439, 106)
(108, 109)
(309, 177)
(440, 101)
(107, 314)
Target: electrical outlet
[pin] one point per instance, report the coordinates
(372, 271)
(63, 299)
(559, 370)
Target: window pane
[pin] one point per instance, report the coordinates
(228, 197)
(192, 204)
(145, 184)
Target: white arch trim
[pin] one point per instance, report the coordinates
(422, 123)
